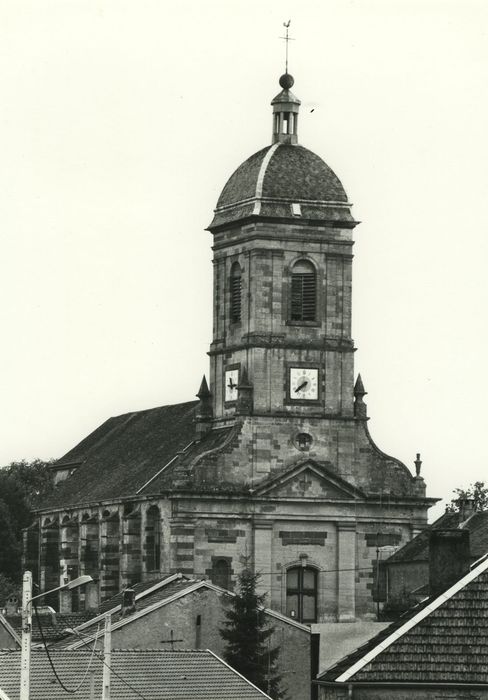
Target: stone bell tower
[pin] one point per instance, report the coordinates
(282, 281)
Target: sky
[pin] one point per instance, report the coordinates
(121, 121)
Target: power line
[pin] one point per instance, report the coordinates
(68, 690)
(100, 657)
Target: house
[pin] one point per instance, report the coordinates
(437, 649)
(181, 613)
(404, 575)
(150, 674)
(52, 623)
(274, 464)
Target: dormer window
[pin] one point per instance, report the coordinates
(235, 293)
(303, 292)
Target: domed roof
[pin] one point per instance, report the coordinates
(283, 181)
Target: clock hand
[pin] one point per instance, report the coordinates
(301, 386)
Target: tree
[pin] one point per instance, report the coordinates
(248, 636)
(477, 492)
(22, 484)
(35, 478)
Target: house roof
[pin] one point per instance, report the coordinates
(53, 625)
(162, 593)
(136, 673)
(129, 455)
(417, 549)
(442, 640)
(147, 592)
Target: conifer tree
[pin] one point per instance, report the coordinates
(248, 635)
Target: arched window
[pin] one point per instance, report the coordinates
(303, 292)
(301, 593)
(235, 293)
(153, 539)
(220, 574)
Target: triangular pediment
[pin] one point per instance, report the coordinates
(308, 479)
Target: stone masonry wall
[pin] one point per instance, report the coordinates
(181, 617)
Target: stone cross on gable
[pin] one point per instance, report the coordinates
(305, 482)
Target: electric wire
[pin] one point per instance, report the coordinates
(67, 690)
(101, 658)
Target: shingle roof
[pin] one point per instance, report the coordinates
(149, 591)
(268, 182)
(443, 640)
(417, 549)
(137, 673)
(124, 453)
(53, 626)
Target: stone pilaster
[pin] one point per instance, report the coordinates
(131, 571)
(182, 546)
(109, 555)
(263, 543)
(69, 563)
(346, 571)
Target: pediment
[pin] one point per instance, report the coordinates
(308, 479)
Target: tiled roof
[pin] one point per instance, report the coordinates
(443, 640)
(159, 594)
(155, 589)
(123, 454)
(272, 179)
(149, 674)
(53, 626)
(417, 549)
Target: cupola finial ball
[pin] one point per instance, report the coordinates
(286, 81)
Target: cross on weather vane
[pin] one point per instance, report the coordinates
(287, 39)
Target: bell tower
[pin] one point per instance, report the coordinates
(282, 282)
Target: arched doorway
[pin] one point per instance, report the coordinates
(301, 593)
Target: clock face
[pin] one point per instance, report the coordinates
(231, 382)
(304, 383)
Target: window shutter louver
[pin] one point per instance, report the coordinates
(235, 297)
(303, 296)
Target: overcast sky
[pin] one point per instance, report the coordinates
(121, 121)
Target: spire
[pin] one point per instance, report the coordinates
(204, 411)
(203, 392)
(360, 408)
(359, 387)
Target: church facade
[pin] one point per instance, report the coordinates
(274, 465)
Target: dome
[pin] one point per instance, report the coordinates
(283, 181)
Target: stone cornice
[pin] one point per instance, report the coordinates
(264, 340)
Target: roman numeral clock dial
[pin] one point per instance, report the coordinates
(304, 384)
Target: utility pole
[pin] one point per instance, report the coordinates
(25, 658)
(107, 657)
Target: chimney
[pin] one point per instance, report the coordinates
(449, 558)
(12, 605)
(128, 602)
(466, 508)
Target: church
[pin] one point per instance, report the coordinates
(273, 465)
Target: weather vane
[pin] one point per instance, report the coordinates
(287, 39)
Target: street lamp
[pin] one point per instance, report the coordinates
(27, 598)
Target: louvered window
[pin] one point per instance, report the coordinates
(303, 292)
(235, 293)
